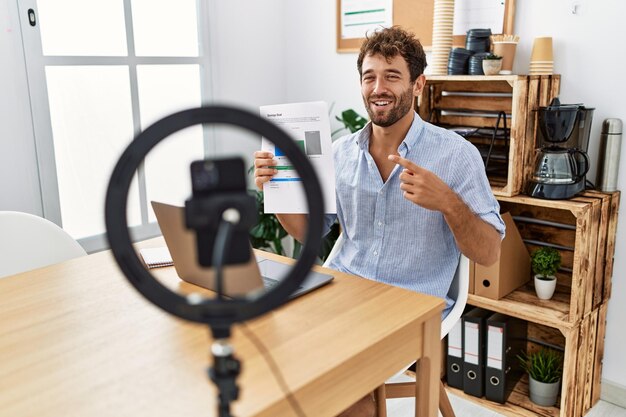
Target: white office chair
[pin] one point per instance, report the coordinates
(28, 242)
(459, 289)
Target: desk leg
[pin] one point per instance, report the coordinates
(427, 370)
(381, 401)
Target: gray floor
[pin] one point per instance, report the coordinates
(405, 407)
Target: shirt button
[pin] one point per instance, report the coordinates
(380, 223)
(380, 192)
(375, 253)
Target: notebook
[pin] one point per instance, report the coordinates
(239, 280)
(156, 257)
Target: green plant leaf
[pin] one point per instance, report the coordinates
(544, 365)
(545, 261)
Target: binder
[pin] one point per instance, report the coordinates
(454, 358)
(474, 331)
(506, 337)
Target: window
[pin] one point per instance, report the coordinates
(99, 73)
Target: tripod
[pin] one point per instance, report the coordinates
(223, 373)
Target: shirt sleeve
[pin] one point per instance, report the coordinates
(470, 182)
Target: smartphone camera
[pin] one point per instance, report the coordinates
(205, 176)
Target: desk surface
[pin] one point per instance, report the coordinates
(77, 340)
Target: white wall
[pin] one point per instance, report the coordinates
(248, 52)
(284, 50)
(247, 63)
(588, 54)
(314, 70)
(590, 58)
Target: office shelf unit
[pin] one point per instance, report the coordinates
(469, 102)
(583, 230)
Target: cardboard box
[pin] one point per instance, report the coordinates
(511, 270)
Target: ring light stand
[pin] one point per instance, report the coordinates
(219, 313)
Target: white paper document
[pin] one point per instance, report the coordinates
(309, 126)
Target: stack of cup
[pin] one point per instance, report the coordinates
(443, 20)
(458, 62)
(541, 58)
(477, 40)
(476, 63)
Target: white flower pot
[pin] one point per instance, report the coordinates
(545, 286)
(492, 66)
(543, 394)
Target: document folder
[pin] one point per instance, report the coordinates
(474, 332)
(454, 358)
(506, 337)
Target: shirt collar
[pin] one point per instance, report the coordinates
(413, 135)
(363, 136)
(410, 140)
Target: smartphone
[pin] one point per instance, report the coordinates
(222, 179)
(211, 176)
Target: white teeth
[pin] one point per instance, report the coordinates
(381, 103)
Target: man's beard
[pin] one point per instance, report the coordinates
(399, 110)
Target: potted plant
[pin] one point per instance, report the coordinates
(544, 368)
(492, 64)
(545, 262)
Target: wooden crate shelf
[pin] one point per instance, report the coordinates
(524, 304)
(519, 404)
(475, 101)
(582, 347)
(583, 230)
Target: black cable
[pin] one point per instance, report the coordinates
(278, 376)
(222, 243)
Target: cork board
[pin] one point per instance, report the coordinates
(417, 17)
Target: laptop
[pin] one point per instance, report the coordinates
(239, 280)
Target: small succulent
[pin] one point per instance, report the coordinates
(492, 57)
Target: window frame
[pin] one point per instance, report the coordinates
(35, 64)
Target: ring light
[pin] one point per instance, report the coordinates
(217, 313)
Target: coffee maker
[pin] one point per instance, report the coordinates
(561, 162)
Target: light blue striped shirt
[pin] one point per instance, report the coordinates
(390, 239)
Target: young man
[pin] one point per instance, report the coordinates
(410, 196)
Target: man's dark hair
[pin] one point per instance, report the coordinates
(390, 42)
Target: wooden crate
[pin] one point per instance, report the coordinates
(598, 355)
(583, 348)
(475, 101)
(606, 244)
(600, 290)
(582, 230)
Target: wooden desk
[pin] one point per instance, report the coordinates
(77, 340)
